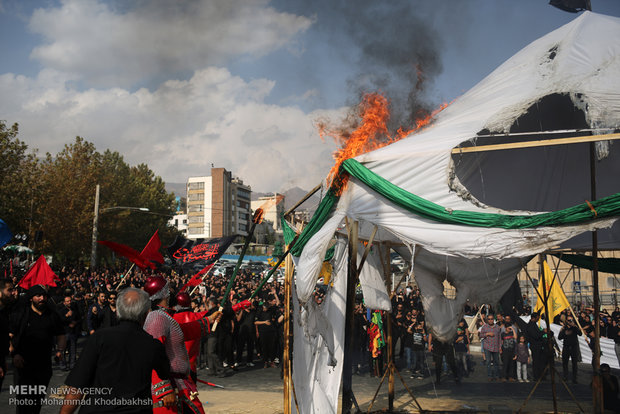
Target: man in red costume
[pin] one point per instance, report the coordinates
(161, 325)
(184, 314)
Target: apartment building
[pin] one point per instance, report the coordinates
(217, 205)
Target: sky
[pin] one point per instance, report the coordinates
(182, 85)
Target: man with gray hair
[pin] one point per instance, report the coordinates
(117, 363)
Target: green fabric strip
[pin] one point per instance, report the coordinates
(288, 232)
(605, 207)
(609, 265)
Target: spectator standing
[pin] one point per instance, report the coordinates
(536, 338)
(214, 363)
(418, 362)
(523, 358)
(614, 334)
(508, 352)
(95, 313)
(461, 348)
(610, 389)
(266, 333)
(490, 333)
(109, 311)
(441, 350)
(8, 296)
(245, 335)
(34, 329)
(71, 321)
(569, 334)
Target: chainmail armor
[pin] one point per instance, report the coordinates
(159, 324)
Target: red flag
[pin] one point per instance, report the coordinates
(39, 274)
(195, 280)
(129, 253)
(151, 250)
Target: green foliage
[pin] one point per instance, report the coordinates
(58, 193)
(18, 170)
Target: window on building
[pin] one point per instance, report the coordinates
(196, 196)
(243, 193)
(196, 219)
(243, 227)
(195, 230)
(184, 221)
(196, 186)
(192, 208)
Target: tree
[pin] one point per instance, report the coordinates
(70, 180)
(18, 181)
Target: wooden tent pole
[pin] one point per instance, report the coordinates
(347, 371)
(549, 344)
(303, 199)
(597, 384)
(390, 340)
(286, 361)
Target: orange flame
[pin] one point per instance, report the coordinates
(372, 133)
(259, 214)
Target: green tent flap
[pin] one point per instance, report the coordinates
(288, 232)
(609, 265)
(604, 208)
(289, 235)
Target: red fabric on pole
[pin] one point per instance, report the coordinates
(195, 280)
(39, 274)
(129, 253)
(151, 250)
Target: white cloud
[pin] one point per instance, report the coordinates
(178, 129)
(103, 46)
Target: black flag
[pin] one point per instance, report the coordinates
(572, 6)
(196, 254)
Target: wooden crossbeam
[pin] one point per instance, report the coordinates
(537, 143)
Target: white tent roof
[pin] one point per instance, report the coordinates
(572, 73)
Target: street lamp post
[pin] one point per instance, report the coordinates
(93, 251)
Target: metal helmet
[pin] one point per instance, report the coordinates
(183, 299)
(157, 287)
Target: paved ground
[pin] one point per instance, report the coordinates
(258, 390)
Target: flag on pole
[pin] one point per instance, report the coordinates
(151, 250)
(557, 300)
(196, 279)
(197, 254)
(127, 252)
(39, 274)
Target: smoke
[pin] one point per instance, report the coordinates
(391, 48)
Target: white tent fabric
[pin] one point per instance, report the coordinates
(371, 279)
(319, 340)
(580, 60)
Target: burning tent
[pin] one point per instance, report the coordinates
(471, 218)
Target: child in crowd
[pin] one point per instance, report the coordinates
(523, 358)
(508, 350)
(418, 362)
(461, 348)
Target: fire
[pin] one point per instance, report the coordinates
(372, 133)
(259, 214)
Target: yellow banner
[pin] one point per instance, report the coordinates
(557, 300)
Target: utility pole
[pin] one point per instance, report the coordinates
(93, 251)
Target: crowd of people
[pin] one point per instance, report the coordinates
(59, 319)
